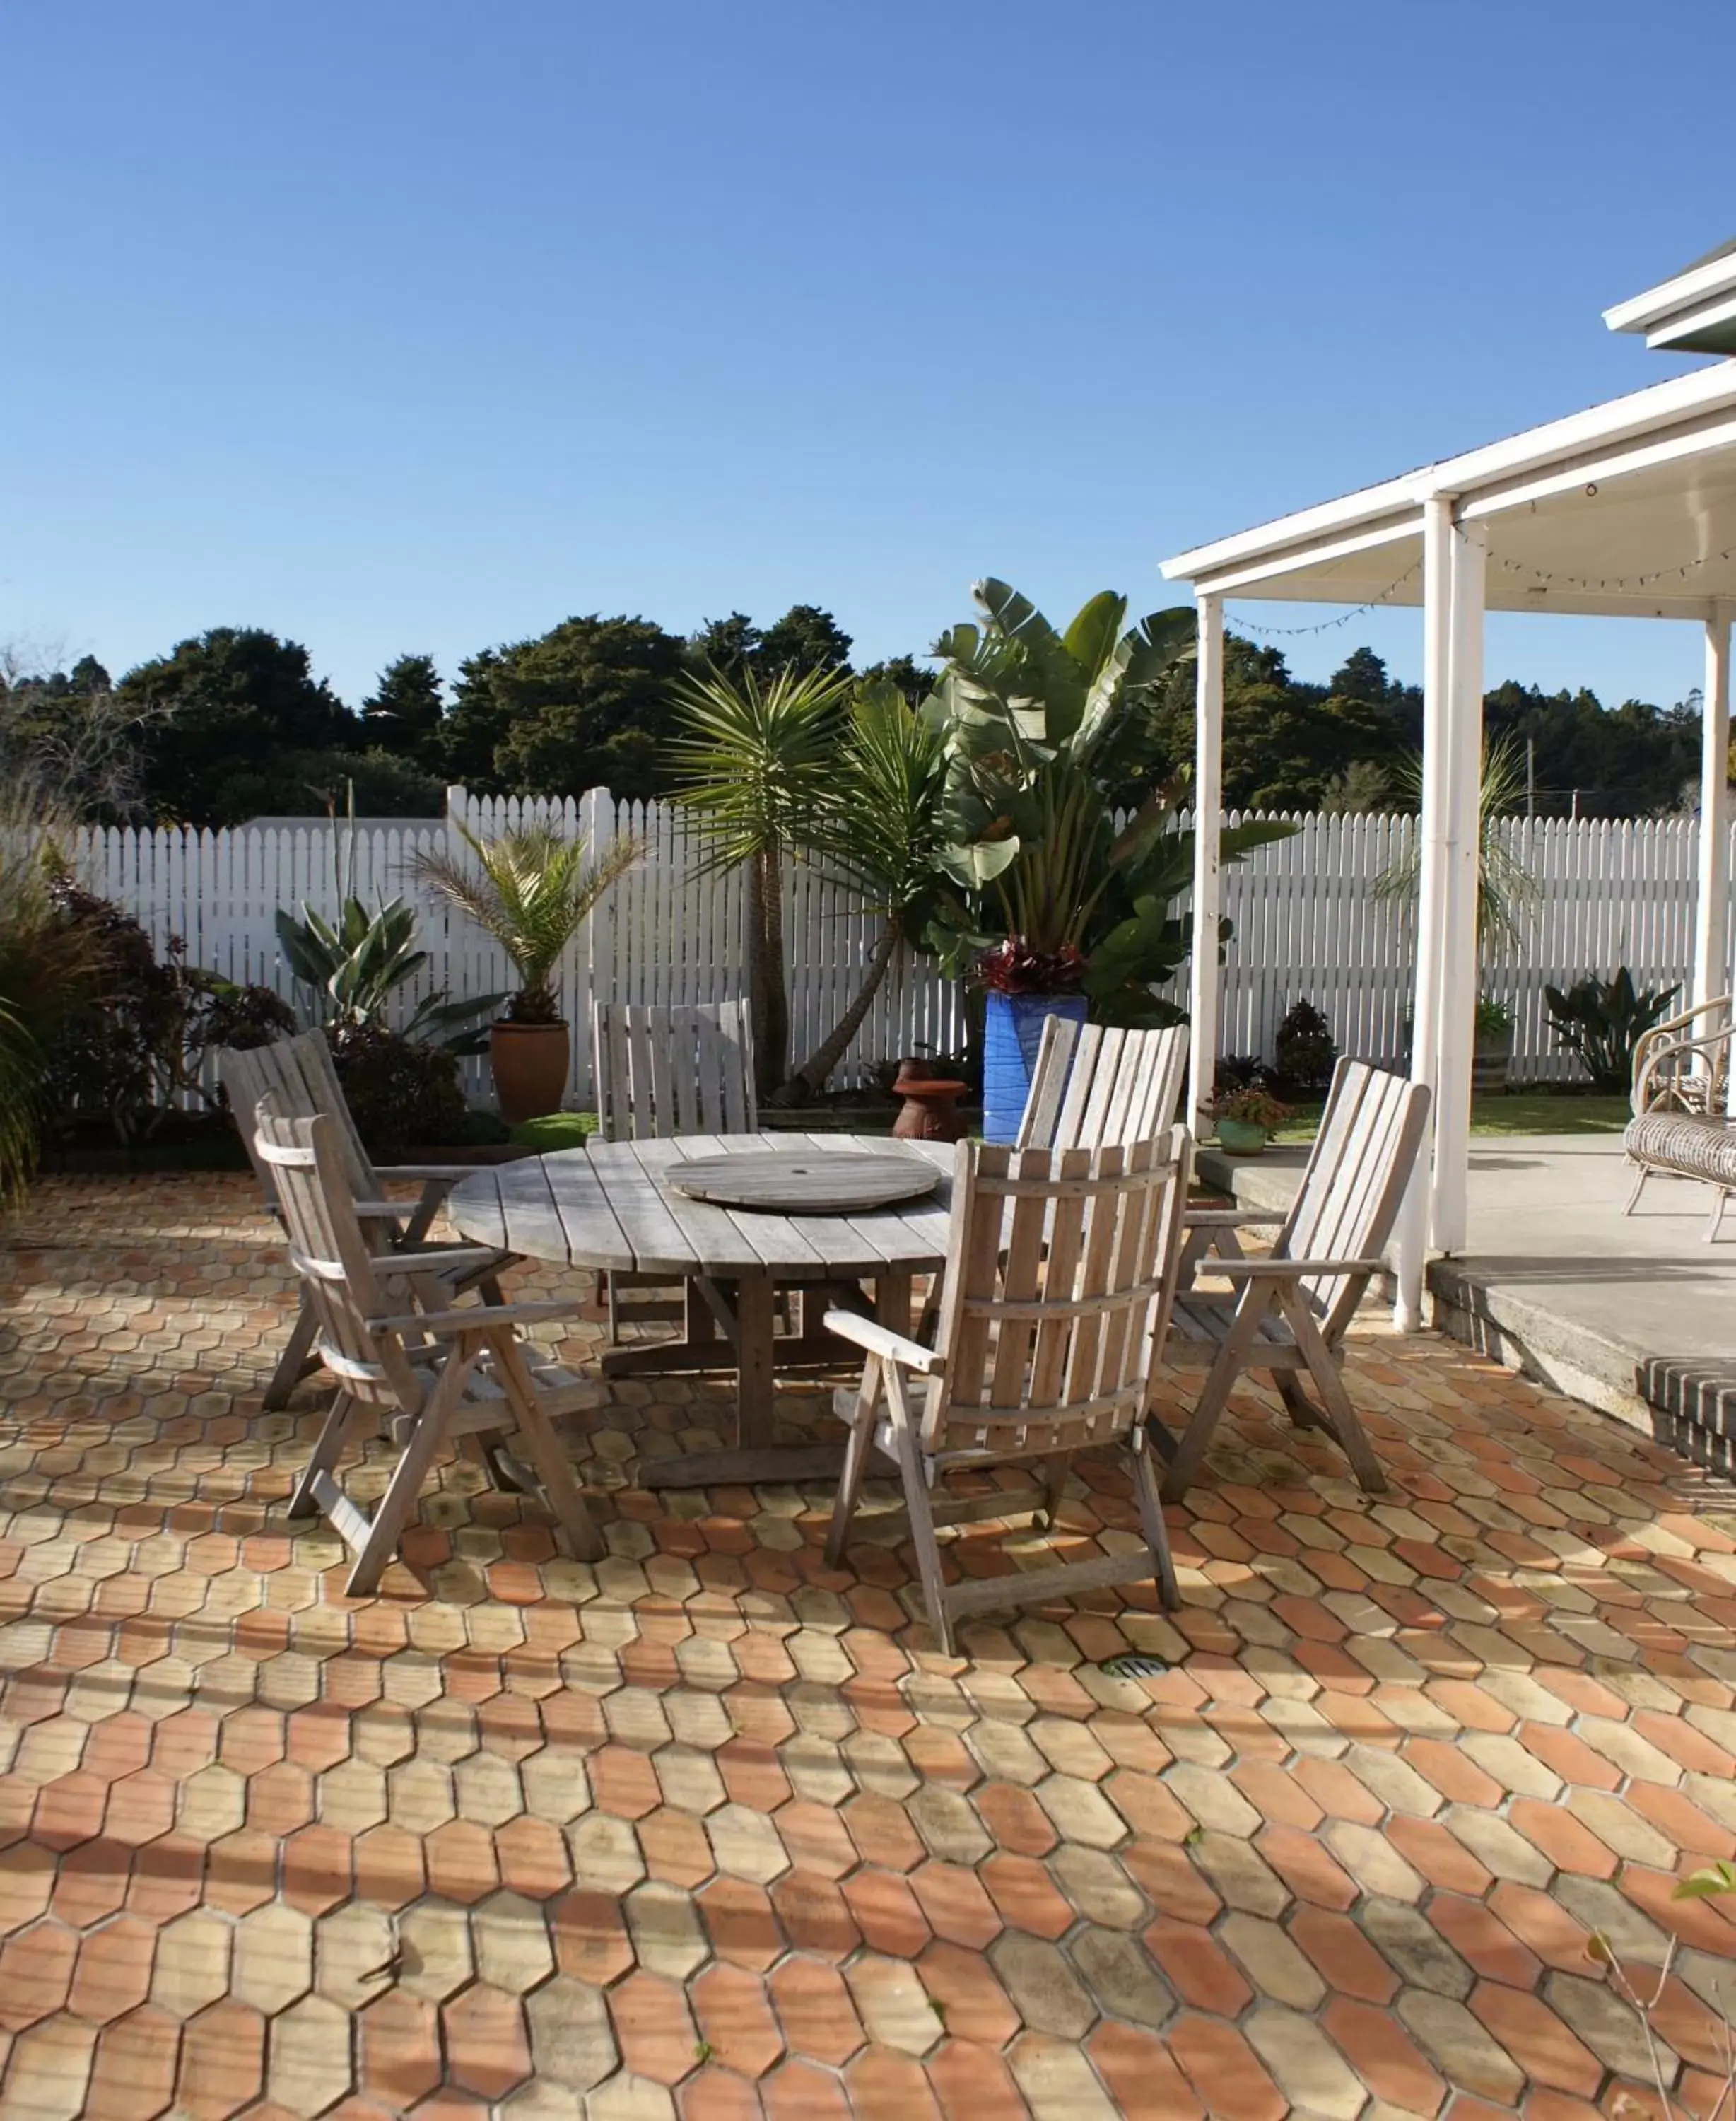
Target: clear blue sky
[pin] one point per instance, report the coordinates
(420, 324)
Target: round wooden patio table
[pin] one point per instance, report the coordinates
(612, 1207)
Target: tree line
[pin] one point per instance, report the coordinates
(234, 723)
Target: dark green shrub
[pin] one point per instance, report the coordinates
(402, 1095)
(1304, 1051)
(134, 1048)
(1602, 1021)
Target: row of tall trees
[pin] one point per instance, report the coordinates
(235, 724)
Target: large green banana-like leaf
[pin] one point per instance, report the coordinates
(1038, 677)
(1161, 639)
(1094, 631)
(1105, 699)
(960, 643)
(1235, 841)
(975, 864)
(1013, 615)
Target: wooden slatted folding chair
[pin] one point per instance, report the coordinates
(1049, 1319)
(1095, 1083)
(427, 1371)
(664, 1071)
(661, 1072)
(1286, 1313)
(299, 1074)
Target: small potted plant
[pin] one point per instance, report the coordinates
(532, 892)
(1492, 1051)
(1246, 1118)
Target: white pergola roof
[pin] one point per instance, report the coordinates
(1628, 510)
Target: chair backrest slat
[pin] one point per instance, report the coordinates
(667, 1071)
(303, 1153)
(299, 1073)
(1354, 1183)
(1052, 1312)
(1094, 1084)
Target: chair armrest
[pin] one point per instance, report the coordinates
(1230, 1218)
(427, 1174)
(874, 1339)
(471, 1318)
(434, 1260)
(1274, 1269)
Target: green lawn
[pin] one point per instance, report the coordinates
(1516, 1111)
(556, 1130)
(1512, 1111)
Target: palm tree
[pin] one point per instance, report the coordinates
(1504, 886)
(532, 891)
(883, 832)
(758, 763)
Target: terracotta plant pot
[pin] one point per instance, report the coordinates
(530, 1063)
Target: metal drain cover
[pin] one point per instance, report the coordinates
(1132, 1664)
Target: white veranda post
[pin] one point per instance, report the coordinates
(1456, 1025)
(1431, 828)
(1208, 745)
(1711, 910)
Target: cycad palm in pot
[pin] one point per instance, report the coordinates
(532, 892)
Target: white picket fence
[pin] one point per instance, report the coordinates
(1309, 922)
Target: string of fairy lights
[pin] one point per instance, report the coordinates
(1329, 625)
(1544, 577)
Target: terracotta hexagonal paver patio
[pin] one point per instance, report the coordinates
(705, 1831)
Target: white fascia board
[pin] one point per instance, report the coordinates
(1394, 530)
(1641, 312)
(1308, 524)
(1295, 538)
(1701, 317)
(1705, 436)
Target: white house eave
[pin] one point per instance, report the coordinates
(1644, 313)
(1393, 508)
(1690, 323)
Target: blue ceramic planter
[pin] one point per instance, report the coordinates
(1013, 1030)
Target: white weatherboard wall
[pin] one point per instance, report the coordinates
(1309, 924)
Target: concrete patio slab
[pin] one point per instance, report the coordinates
(1635, 1314)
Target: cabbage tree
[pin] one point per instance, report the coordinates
(756, 761)
(881, 829)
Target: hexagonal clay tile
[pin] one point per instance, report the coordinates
(706, 1831)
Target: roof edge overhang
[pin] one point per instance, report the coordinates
(1684, 415)
(1678, 311)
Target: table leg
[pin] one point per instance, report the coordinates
(755, 1458)
(755, 1326)
(894, 1298)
